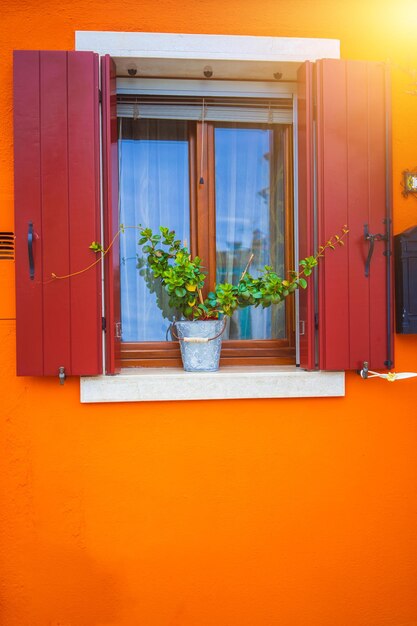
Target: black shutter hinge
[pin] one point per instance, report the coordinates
(316, 320)
(100, 97)
(387, 221)
(103, 324)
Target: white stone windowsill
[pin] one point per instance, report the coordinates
(146, 384)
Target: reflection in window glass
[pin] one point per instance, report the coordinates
(249, 188)
(154, 191)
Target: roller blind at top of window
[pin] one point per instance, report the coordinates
(242, 110)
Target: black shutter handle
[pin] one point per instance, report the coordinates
(371, 239)
(30, 252)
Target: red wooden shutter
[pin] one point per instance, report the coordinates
(352, 154)
(57, 212)
(111, 214)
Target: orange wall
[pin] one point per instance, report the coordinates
(246, 513)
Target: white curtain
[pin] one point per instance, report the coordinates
(154, 191)
(249, 171)
(249, 196)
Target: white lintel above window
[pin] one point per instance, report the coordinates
(235, 57)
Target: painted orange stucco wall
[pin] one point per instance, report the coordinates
(243, 513)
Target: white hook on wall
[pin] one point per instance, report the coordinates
(389, 376)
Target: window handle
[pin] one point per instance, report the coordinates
(30, 252)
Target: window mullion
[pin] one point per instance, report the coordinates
(289, 230)
(211, 186)
(193, 173)
(203, 183)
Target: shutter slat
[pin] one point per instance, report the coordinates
(378, 193)
(332, 203)
(358, 147)
(55, 218)
(84, 203)
(27, 189)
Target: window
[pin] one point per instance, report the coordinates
(342, 152)
(225, 187)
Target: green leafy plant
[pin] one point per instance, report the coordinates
(182, 276)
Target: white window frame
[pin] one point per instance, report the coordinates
(236, 56)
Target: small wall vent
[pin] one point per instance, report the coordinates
(6, 246)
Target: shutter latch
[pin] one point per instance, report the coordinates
(371, 239)
(363, 373)
(61, 375)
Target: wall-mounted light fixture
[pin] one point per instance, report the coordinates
(409, 182)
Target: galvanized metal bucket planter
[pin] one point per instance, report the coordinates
(200, 343)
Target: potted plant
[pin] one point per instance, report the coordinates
(202, 320)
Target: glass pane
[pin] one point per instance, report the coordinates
(154, 191)
(249, 170)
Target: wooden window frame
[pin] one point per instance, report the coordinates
(203, 244)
